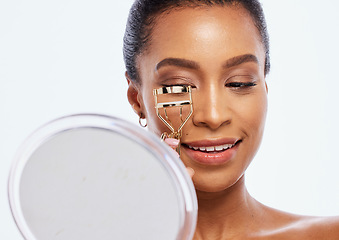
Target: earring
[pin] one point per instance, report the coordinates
(141, 116)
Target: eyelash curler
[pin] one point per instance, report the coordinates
(181, 96)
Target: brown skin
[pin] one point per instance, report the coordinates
(210, 38)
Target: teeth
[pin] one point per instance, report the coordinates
(226, 146)
(209, 149)
(213, 148)
(219, 148)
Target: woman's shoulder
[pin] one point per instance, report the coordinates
(292, 226)
(318, 227)
(327, 226)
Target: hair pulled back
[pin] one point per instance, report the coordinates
(142, 18)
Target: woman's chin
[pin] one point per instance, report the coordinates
(206, 183)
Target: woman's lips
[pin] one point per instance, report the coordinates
(212, 152)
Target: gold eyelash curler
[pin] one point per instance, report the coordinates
(167, 98)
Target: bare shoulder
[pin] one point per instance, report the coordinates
(321, 227)
(292, 226)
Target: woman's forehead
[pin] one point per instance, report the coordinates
(206, 34)
(206, 19)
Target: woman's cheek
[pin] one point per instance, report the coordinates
(251, 111)
(257, 116)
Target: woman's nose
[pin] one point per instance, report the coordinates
(211, 109)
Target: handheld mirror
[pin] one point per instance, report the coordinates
(98, 177)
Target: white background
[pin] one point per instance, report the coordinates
(64, 57)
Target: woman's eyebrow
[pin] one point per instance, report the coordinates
(235, 61)
(178, 62)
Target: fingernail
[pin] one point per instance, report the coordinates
(172, 141)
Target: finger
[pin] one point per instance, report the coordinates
(190, 171)
(172, 142)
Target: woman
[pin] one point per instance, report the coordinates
(219, 48)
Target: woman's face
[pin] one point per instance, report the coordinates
(217, 51)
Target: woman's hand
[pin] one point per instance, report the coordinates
(173, 143)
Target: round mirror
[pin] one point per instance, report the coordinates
(99, 177)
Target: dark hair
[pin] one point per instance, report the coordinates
(142, 18)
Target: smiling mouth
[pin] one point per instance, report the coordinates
(212, 149)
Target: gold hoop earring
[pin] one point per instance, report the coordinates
(141, 116)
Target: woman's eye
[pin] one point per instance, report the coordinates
(241, 82)
(174, 85)
(178, 84)
(239, 85)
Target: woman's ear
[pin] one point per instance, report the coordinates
(133, 93)
(266, 87)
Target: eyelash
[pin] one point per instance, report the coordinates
(239, 85)
(177, 84)
(172, 85)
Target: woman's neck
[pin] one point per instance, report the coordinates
(227, 213)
